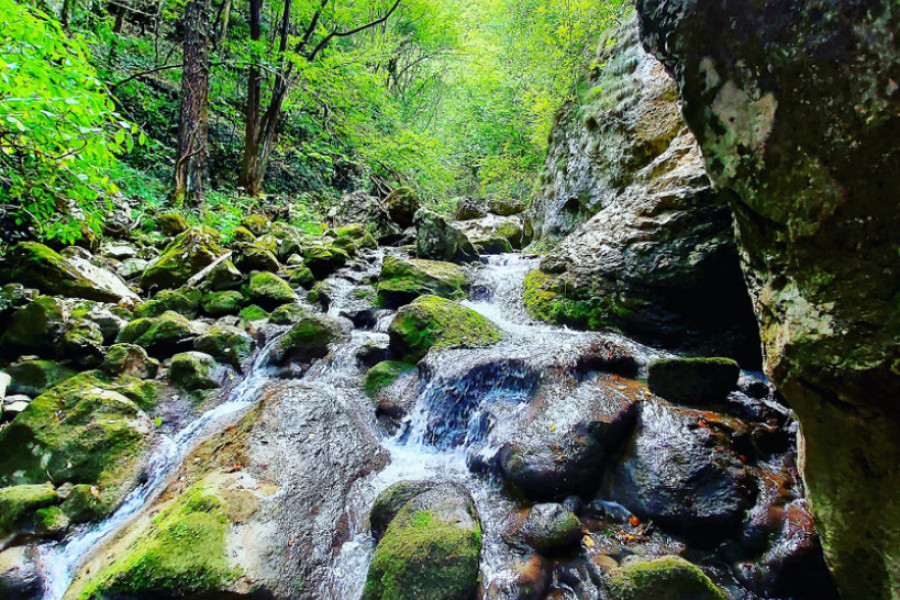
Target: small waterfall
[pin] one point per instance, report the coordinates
(60, 562)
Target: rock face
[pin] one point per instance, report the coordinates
(656, 257)
(797, 109)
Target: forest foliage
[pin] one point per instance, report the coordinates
(447, 96)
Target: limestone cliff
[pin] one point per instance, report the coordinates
(796, 106)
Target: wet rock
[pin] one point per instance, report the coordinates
(551, 528)
(794, 121)
(36, 327)
(391, 501)
(360, 207)
(430, 550)
(20, 577)
(468, 207)
(82, 343)
(224, 276)
(432, 322)
(187, 255)
(325, 260)
(403, 280)
(19, 503)
(32, 376)
(129, 359)
(184, 301)
(505, 207)
(219, 304)
(383, 375)
(288, 314)
(51, 523)
(77, 432)
(228, 344)
(13, 406)
(162, 336)
(609, 357)
(436, 239)
(693, 381)
(667, 578)
(374, 350)
(402, 205)
(13, 296)
(270, 291)
(83, 504)
(681, 471)
(253, 313)
(194, 371)
(255, 257)
(308, 339)
(492, 230)
(108, 320)
(37, 266)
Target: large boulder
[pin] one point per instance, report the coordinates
(228, 344)
(187, 255)
(433, 322)
(666, 578)
(430, 550)
(360, 207)
(162, 336)
(796, 109)
(184, 301)
(194, 371)
(403, 280)
(38, 266)
(270, 291)
(36, 327)
(436, 239)
(693, 381)
(650, 245)
(33, 376)
(486, 233)
(402, 205)
(309, 338)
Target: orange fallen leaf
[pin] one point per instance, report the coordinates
(634, 521)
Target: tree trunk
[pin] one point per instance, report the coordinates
(190, 166)
(249, 164)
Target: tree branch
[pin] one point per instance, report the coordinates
(339, 34)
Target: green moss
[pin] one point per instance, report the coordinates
(129, 359)
(33, 377)
(19, 503)
(36, 325)
(384, 374)
(432, 322)
(422, 557)
(163, 332)
(552, 298)
(83, 504)
(228, 344)
(257, 224)
(309, 338)
(325, 260)
(253, 313)
(51, 521)
(288, 314)
(183, 554)
(183, 301)
(403, 280)
(270, 291)
(218, 304)
(193, 371)
(301, 276)
(669, 578)
(188, 254)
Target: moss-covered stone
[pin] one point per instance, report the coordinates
(432, 322)
(551, 528)
(422, 556)
(77, 432)
(402, 205)
(403, 280)
(160, 336)
(300, 276)
(309, 338)
(669, 578)
(253, 313)
(193, 371)
(183, 554)
(257, 224)
(188, 254)
(51, 522)
(36, 327)
(242, 235)
(184, 301)
(37, 266)
(33, 376)
(384, 374)
(325, 260)
(82, 343)
(436, 239)
(129, 359)
(270, 291)
(255, 257)
(288, 314)
(505, 206)
(219, 304)
(227, 344)
(693, 381)
(224, 276)
(83, 504)
(19, 503)
(171, 224)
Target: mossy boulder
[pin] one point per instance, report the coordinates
(77, 432)
(241, 234)
(432, 322)
(171, 224)
(224, 276)
(257, 224)
(300, 276)
(83, 504)
(255, 257)
(39, 267)
(384, 374)
(668, 578)
(469, 207)
(193, 371)
(162, 336)
(182, 554)
(288, 314)
(219, 304)
(308, 338)
(51, 522)
(36, 327)
(33, 376)
(225, 343)
(187, 255)
(693, 381)
(19, 503)
(253, 313)
(184, 301)
(82, 343)
(129, 359)
(505, 207)
(550, 528)
(436, 239)
(270, 291)
(403, 280)
(430, 551)
(402, 205)
(325, 260)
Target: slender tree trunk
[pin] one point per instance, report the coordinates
(249, 165)
(190, 166)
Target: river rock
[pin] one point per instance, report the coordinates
(469, 207)
(219, 304)
(184, 301)
(430, 550)
(187, 255)
(505, 207)
(361, 207)
(551, 528)
(485, 232)
(20, 577)
(254, 257)
(193, 371)
(324, 260)
(162, 336)
(129, 359)
(270, 291)
(19, 503)
(680, 469)
(402, 205)
(402, 280)
(36, 327)
(436, 239)
(666, 578)
(693, 381)
(224, 276)
(32, 376)
(432, 322)
(226, 343)
(796, 120)
(38, 266)
(308, 339)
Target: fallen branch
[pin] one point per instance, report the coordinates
(193, 281)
